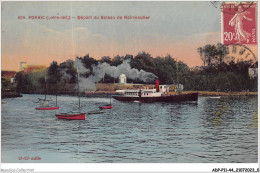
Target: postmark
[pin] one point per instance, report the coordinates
(232, 9)
(238, 52)
(239, 23)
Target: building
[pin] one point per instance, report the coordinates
(31, 68)
(23, 66)
(9, 75)
(122, 79)
(253, 70)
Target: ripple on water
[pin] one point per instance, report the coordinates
(210, 131)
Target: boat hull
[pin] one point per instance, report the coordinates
(171, 98)
(47, 108)
(96, 112)
(106, 107)
(80, 116)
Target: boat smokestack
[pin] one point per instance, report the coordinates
(157, 85)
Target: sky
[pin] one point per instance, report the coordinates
(175, 28)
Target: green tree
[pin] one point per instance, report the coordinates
(106, 59)
(117, 60)
(89, 62)
(213, 55)
(143, 61)
(166, 69)
(68, 72)
(53, 73)
(5, 84)
(23, 84)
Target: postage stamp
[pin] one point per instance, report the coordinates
(239, 23)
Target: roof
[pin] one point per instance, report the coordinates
(122, 75)
(8, 74)
(31, 68)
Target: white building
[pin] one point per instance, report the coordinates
(23, 66)
(253, 70)
(122, 79)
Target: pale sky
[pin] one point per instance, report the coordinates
(175, 28)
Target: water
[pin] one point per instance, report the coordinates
(211, 131)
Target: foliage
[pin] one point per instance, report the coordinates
(6, 85)
(213, 55)
(68, 72)
(23, 83)
(218, 73)
(143, 61)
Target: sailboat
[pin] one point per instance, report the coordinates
(72, 115)
(109, 106)
(44, 103)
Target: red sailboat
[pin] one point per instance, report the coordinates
(106, 107)
(47, 108)
(73, 116)
(66, 116)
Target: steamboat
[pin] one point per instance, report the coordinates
(159, 94)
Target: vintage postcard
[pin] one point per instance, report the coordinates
(136, 82)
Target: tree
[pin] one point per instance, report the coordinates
(54, 74)
(143, 61)
(166, 69)
(5, 84)
(129, 57)
(213, 55)
(117, 60)
(23, 84)
(53, 77)
(68, 72)
(106, 59)
(88, 62)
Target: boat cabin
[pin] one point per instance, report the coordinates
(144, 92)
(164, 88)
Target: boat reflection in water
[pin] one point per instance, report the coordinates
(160, 94)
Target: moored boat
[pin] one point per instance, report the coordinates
(160, 94)
(106, 107)
(73, 115)
(66, 116)
(170, 98)
(96, 112)
(44, 103)
(47, 108)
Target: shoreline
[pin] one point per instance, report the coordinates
(220, 93)
(201, 93)
(108, 93)
(10, 94)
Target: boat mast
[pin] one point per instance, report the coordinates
(177, 72)
(110, 93)
(78, 87)
(56, 94)
(45, 85)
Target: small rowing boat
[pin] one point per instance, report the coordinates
(66, 116)
(47, 108)
(96, 112)
(106, 107)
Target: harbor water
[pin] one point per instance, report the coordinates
(212, 130)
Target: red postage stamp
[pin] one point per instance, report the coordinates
(239, 23)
